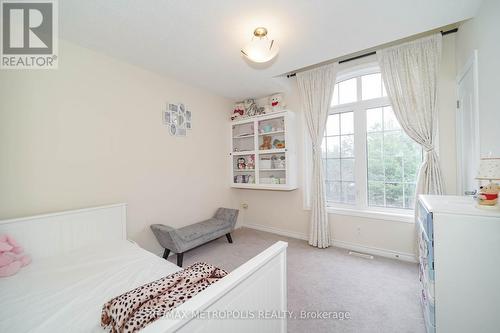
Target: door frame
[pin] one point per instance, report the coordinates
(471, 64)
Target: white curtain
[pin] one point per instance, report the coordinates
(316, 89)
(410, 72)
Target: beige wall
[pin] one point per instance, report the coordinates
(447, 97)
(284, 210)
(90, 133)
(482, 33)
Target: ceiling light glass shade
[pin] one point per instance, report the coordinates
(260, 49)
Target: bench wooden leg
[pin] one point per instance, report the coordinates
(179, 259)
(229, 239)
(166, 253)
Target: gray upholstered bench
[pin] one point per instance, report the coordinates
(185, 238)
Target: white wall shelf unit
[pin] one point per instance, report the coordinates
(263, 152)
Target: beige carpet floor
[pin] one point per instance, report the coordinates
(380, 294)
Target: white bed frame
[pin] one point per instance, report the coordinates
(252, 298)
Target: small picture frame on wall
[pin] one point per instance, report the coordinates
(167, 118)
(173, 129)
(188, 120)
(173, 107)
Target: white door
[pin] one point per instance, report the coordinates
(467, 128)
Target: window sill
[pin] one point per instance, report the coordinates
(372, 214)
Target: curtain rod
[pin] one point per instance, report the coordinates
(443, 33)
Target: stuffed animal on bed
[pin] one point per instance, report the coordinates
(11, 256)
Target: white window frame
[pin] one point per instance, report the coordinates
(360, 208)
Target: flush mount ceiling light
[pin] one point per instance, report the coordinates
(260, 48)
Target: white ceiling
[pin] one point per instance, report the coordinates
(198, 41)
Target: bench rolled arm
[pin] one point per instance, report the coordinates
(227, 214)
(167, 236)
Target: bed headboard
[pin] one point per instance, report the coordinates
(57, 233)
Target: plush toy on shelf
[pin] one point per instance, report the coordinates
(238, 110)
(281, 163)
(11, 256)
(279, 144)
(251, 162)
(274, 161)
(241, 163)
(276, 102)
(266, 142)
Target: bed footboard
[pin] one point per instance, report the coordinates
(252, 298)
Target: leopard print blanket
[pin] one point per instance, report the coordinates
(139, 307)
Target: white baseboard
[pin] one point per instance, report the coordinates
(338, 243)
(277, 231)
(375, 251)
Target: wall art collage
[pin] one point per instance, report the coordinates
(178, 119)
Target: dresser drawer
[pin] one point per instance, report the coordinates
(423, 241)
(425, 251)
(426, 280)
(429, 313)
(425, 217)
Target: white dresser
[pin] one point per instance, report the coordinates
(459, 249)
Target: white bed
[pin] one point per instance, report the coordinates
(81, 259)
(75, 285)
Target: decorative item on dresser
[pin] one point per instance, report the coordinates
(489, 169)
(459, 246)
(266, 143)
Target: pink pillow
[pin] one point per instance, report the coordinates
(11, 256)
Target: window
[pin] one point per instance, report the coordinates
(368, 159)
(338, 157)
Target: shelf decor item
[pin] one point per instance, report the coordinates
(267, 128)
(265, 163)
(177, 118)
(266, 144)
(241, 163)
(279, 144)
(281, 163)
(251, 162)
(251, 108)
(276, 102)
(238, 111)
(489, 169)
